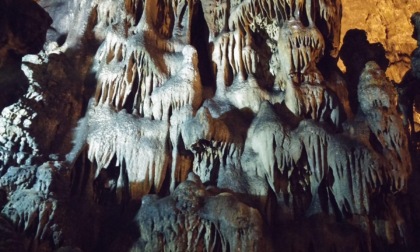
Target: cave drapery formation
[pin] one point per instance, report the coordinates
(174, 125)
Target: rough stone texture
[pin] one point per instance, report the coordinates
(38, 126)
(204, 126)
(386, 22)
(17, 20)
(192, 219)
(46, 100)
(33, 203)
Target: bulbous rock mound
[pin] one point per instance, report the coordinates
(208, 126)
(192, 219)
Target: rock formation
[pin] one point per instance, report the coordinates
(202, 126)
(386, 22)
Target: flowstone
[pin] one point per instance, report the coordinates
(208, 126)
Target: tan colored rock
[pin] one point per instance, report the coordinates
(387, 22)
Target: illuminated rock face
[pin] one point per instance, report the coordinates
(220, 125)
(386, 22)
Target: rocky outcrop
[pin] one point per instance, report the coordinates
(36, 125)
(192, 219)
(33, 203)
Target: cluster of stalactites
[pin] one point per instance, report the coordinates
(155, 103)
(313, 101)
(170, 19)
(230, 30)
(225, 16)
(111, 14)
(147, 77)
(299, 49)
(214, 143)
(134, 68)
(139, 66)
(136, 147)
(153, 87)
(229, 25)
(161, 29)
(281, 153)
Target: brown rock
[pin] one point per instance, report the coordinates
(386, 22)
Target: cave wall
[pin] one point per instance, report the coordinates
(386, 22)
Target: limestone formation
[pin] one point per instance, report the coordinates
(379, 20)
(386, 22)
(192, 219)
(203, 126)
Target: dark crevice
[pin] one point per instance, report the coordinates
(200, 40)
